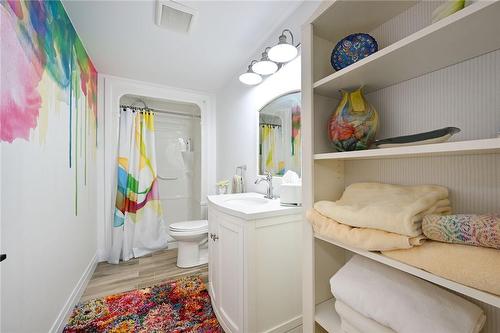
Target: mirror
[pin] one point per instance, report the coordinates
(279, 135)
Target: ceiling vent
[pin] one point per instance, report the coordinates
(175, 16)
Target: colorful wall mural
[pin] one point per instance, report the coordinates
(45, 68)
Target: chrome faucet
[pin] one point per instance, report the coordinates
(269, 179)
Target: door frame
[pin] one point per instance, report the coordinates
(111, 89)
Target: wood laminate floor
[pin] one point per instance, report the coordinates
(138, 273)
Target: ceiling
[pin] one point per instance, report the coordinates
(123, 40)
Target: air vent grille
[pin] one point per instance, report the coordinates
(175, 16)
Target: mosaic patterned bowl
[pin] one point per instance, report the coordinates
(351, 49)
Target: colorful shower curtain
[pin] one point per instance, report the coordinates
(138, 227)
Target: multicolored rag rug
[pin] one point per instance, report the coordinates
(174, 307)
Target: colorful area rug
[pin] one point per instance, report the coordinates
(175, 306)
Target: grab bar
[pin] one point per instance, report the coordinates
(168, 178)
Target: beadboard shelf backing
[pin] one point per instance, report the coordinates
(471, 147)
(342, 17)
(327, 317)
(460, 288)
(437, 46)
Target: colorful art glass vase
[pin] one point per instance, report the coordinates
(351, 49)
(354, 123)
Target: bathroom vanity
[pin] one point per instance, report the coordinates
(255, 255)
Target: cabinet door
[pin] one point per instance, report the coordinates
(230, 272)
(212, 255)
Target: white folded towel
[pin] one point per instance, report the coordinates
(401, 301)
(354, 322)
(393, 208)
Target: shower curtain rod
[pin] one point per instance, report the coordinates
(136, 108)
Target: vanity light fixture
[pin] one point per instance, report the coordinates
(273, 58)
(250, 77)
(265, 66)
(283, 51)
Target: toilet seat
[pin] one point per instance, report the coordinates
(198, 226)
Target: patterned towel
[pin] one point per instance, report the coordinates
(477, 230)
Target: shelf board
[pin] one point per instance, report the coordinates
(326, 316)
(466, 34)
(483, 146)
(460, 288)
(340, 18)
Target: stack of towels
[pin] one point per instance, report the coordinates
(374, 298)
(379, 217)
(464, 248)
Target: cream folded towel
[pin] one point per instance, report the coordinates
(354, 322)
(476, 267)
(362, 238)
(402, 301)
(394, 208)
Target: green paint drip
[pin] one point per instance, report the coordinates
(85, 135)
(76, 163)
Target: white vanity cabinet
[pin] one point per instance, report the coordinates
(255, 264)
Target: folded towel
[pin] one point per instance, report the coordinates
(354, 322)
(477, 267)
(478, 230)
(394, 208)
(363, 238)
(401, 301)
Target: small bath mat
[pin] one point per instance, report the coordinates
(175, 306)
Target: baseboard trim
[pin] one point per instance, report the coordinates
(75, 296)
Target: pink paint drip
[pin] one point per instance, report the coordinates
(20, 101)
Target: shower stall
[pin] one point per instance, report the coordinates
(178, 156)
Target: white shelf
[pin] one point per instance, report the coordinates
(340, 18)
(327, 317)
(460, 288)
(483, 146)
(466, 34)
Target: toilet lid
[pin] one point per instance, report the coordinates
(189, 225)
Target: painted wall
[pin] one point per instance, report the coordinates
(48, 134)
(238, 106)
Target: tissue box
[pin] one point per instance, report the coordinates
(291, 194)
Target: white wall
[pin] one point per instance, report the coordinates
(238, 106)
(48, 247)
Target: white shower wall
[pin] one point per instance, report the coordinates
(180, 190)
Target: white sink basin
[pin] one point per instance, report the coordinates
(250, 205)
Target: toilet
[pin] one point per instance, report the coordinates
(192, 242)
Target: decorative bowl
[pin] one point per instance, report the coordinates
(351, 49)
(436, 136)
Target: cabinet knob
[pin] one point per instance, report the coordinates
(215, 237)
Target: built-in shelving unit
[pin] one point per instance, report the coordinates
(464, 45)
(437, 46)
(484, 146)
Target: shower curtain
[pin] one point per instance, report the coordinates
(272, 159)
(138, 226)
